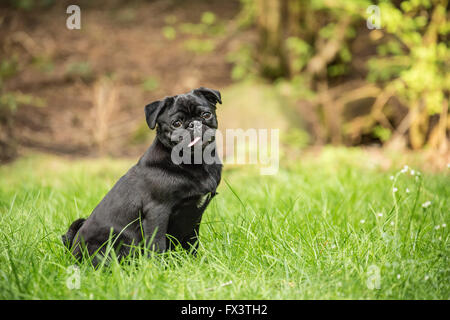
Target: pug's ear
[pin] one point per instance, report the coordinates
(213, 96)
(153, 110)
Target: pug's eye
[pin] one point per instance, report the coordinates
(177, 124)
(206, 115)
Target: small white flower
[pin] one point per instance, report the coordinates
(362, 221)
(405, 168)
(394, 189)
(407, 190)
(398, 276)
(426, 277)
(380, 214)
(437, 227)
(426, 204)
(444, 225)
(392, 223)
(391, 177)
(412, 172)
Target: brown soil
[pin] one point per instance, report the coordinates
(119, 41)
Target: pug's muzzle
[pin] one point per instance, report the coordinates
(195, 134)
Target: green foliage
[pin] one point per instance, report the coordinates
(295, 138)
(209, 26)
(10, 100)
(417, 60)
(169, 32)
(202, 29)
(170, 19)
(80, 69)
(150, 84)
(311, 44)
(247, 14)
(300, 52)
(199, 46)
(43, 63)
(30, 4)
(296, 87)
(193, 29)
(142, 134)
(202, 34)
(382, 133)
(208, 18)
(8, 68)
(243, 63)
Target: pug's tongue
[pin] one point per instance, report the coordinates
(197, 139)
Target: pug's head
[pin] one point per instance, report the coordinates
(189, 117)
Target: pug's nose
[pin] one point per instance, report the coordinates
(196, 125)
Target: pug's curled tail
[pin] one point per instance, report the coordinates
(67, 238)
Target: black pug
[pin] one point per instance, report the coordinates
(157, 202)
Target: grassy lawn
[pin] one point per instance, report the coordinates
(328, 226)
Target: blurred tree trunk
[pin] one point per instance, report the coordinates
(293, 29)
(276, 21)
(271, 15)
(294, 10)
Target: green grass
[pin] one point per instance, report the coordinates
(313, 231)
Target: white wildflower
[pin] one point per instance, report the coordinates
(398, 276)
(394, 189)
(437, 227)
(407, 190)
(380, 214)
(412, 172)
(444, 225)
(391, 177)
(426, 277)
(392, 223)
(362, 221)
(426, 204)
(405, 169)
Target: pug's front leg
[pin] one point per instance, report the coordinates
(155, 225)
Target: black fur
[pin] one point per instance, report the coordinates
(67, 238)
(156, 199)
